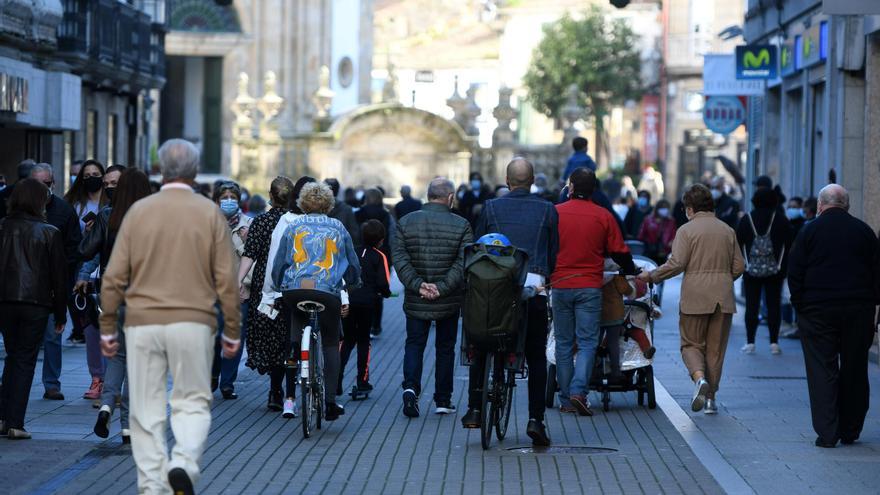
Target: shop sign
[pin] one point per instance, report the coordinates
(13, 94)
(851, 7)
(813, 46)
(723, 114)
(756, 62)
(786, 58)
(719, 78)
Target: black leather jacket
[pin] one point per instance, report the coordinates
(33, 264)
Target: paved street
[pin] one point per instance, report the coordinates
(762, 437)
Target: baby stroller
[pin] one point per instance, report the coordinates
(638, 374)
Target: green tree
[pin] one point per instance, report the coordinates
(594, 53)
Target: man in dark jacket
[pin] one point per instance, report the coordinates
(344, 213)
(834, 277)
(531, 224)
(24, 171)
(407, 204)
(428, 257)
(726, 208)
(62, 216)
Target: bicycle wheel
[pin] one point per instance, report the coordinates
(506, 396)
(318, 400)
(487, 408)
(307, 388)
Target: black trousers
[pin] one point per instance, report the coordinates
(536, 357)
(23, 327)
(356, 333)
(772, 288)
(836, 339)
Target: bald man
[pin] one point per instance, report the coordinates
(834, 278)
(530, 222)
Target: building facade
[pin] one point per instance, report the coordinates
(219, 55)
(75, 81)
(822, 121)
(688, 150)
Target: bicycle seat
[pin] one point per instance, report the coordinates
(310, 306)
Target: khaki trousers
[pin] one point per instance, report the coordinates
(703, 344)
(185, 350)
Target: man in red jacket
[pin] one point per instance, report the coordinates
(587, 235)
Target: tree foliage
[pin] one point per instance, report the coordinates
(596, 54)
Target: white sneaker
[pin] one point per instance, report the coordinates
(701, 388)
(290, 409)
(775, 349)
(748, 349)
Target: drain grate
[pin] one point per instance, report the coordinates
(562, 450)
(762, 377)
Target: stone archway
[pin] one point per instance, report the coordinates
(391, 145)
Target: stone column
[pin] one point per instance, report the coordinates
(503, 138)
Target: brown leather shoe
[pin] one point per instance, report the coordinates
(581, 404)
(53, 394)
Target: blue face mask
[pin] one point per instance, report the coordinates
(643, 202)
(794, 213)
(229, 207)
(475, 185)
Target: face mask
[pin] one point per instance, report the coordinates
(621, 210)
(794, 213)
(475, 185)
(716, 194)
(643, 202)
(228, 206)
(108, 191)
(93, 184)
(663, 212)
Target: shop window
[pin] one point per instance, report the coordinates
(91, 134)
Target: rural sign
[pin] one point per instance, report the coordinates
(756, 62)
(723, 114)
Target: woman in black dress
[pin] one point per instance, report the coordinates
(267, 338)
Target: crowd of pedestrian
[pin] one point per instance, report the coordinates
(181, 280)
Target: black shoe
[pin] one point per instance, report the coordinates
(471, 419)
(276, 399)
(180, 482)
(53, 394)
(410, 404)
(650, 352)
(824, 444)
(444, 407)
(215, 382)
(102, 425)
(538, 433)
(339, 391)
(848, 441)
(229, 394)
(365, 387)
(77, 339)
(375, 332)
(126, 439)
(333, 411)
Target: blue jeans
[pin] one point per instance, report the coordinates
(115, 382)
(414, 355)
(576, 314)
(51, 357)
(227, 369)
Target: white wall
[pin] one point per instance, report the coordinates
(345, 42)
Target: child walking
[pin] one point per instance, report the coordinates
(364, 302)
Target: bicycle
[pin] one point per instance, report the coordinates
(311, 369)
(499, 380)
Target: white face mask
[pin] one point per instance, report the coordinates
(716, 194)
(621, 210)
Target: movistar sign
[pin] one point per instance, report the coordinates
(757, 62)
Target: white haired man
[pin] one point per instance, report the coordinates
(834, 277)
(173, 259)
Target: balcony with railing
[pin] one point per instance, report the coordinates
(112, 38)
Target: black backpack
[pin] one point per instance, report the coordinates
(492, 309)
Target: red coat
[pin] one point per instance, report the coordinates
(657, 233)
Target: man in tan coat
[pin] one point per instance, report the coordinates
(705, 249)
(171, 262)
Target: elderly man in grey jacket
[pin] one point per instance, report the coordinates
(428, 257)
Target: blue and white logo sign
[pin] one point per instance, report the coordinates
(723, 114)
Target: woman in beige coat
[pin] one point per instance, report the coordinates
(705, 249)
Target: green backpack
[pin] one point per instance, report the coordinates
(492, 308)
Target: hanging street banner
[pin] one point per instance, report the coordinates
(719, 78)
(651, 120)
(723, 114)
(757, 62)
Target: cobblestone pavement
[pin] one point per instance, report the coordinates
(763, 429)
(372, 449)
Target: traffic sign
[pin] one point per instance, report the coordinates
(723, 114)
